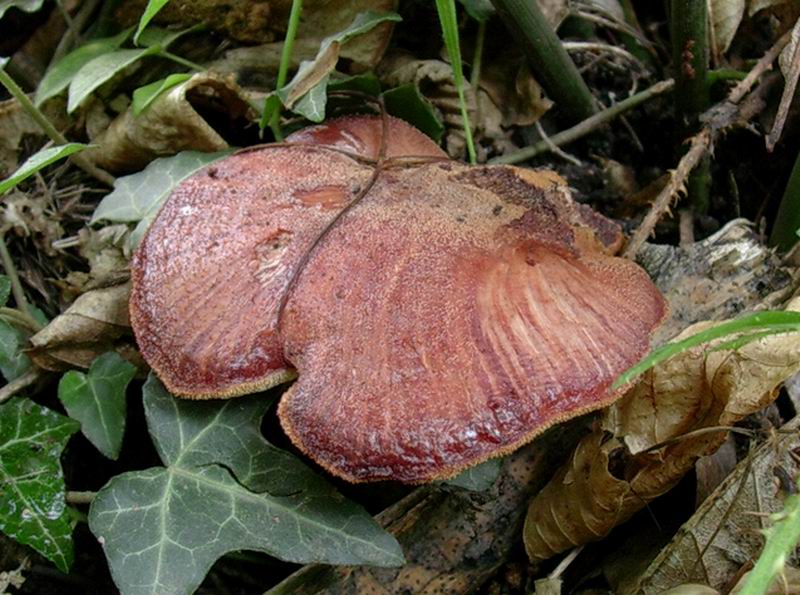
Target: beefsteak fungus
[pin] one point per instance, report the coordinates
(436, 314)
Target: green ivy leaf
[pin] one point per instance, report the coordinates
(59, 75)
(99, 70)
(97, 401)
(38, 161)
(144, 96)
(312, 75)
(23, 5)
(32, 506)
(407, 103)
(138, 197)
(13, 362)
(223, 488)
(153, 8)
(478, 478)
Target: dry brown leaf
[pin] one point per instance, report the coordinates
(697, 389)
(172, 123)
(790, 67)
(725, 17)
(691, 589)
(15, 123)
(724, 532)
(92, 325)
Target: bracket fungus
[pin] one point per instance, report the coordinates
(436, 314)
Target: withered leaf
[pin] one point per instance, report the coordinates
(91, 326)
(699, 388)
(437, 314)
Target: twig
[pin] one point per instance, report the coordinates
(787, 98)
(16, 385)
(587, 126)
(686, 228)
(592, 46)
(718, 118)
(50, 130)
(554, 148)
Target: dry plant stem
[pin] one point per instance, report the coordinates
(554, 148)
(16, 385)
(550, 61)
(719, 118)
(587, 126)
(686, 228)
(786, 99)
(79, 497)
(477, 57)
(50, 130)
(16, 286)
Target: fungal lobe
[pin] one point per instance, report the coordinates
(449, 316)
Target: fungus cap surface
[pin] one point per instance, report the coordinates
(437, 314)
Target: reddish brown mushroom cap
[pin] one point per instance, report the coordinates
(479, 316)
(209, 275)
(450, 315)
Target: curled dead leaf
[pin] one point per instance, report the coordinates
(172, 123)
(697, 389)
(95, 323)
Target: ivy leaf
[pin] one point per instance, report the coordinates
(32, 506)
(38, 161)
(153, 8)
(23, 5)
(144, 96)
(97, 401)
(99, 70)
(312, 75)
(407, 103)
(13, 362)
(223, 488)
(138, 197)
(478, 478)
(58, 77)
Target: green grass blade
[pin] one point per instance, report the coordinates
(447, 19)
(772, 322)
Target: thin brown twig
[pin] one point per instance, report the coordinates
(16, 385)
(718, 118)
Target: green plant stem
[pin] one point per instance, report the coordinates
(181, 61)
(787, 221)
(724, 74)
(447, 20)
(50, 130)
(688, 28)
(283, 68)
(590, 124)
(16, 286)
(477, 57)
(551, 63)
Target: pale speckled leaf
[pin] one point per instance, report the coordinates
(5, 289)
(224, 488)
(13, 362)
(97, 400)
(32, 506)
(139, 196)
